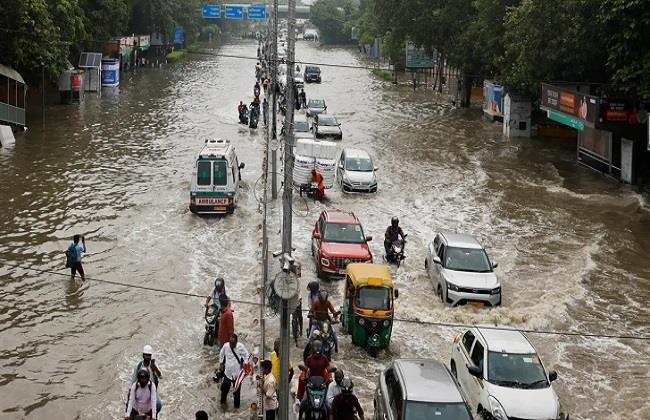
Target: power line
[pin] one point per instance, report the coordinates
(627, 336)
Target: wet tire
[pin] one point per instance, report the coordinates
(373, 353)
(205, 339)
(439, 294)
(210, 339)
(454, 372)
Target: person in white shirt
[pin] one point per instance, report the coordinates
(269, 390)
(334, 388)
(142, 398)
(232, 357)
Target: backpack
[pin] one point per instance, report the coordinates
(70, 256)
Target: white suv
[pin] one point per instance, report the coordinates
(503, 377)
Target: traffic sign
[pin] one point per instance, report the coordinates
(234, 12)
(211, 11)
(257, 11)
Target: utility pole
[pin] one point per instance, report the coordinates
(287, 198)
(274, 77)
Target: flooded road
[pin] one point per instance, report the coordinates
(572, 246)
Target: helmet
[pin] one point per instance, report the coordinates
(147, 349)
(313, 286)
(315, 335)
(143, 374)
(346, 385)
(317, 347)
(394, 221)
(219, 283)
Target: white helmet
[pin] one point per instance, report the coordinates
(147, 349)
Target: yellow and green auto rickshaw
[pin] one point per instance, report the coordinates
(367, 312)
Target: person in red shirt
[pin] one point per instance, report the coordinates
(226, 321)
(317, 179)
(317, 364)
(319, 309)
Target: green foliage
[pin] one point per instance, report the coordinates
(334, 20)
(175, 55)
(383, 75)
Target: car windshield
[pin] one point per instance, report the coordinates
(344, 232)
(376, 298)
(416, 410)
(316, 103)
(312, 70)
(358, 165)
(516, 370)
(301, 126)
(467, 259)
(327, 120)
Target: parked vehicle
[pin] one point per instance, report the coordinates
(215, 179)
(327, 126)
(503, 377)
(298, 81)
(301, 130)
(461, 271)
(419, 389)
(356, 171)
(315, 107)
(312, 74)
(337, 240)
(367, 312)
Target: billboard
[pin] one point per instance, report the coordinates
(576, 108)
(417, 57)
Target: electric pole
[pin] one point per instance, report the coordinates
(287, 198)
(274, 80)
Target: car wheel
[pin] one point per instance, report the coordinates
(426, 263)
(439, 293)
(454, 372)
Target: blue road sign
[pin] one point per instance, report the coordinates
(211, 11)
(234, 12)
(257, 11)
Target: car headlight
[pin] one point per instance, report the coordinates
(496, 291)
(325, 261)
(497, 410)
(386, 323)
(362, 322)
(452, 286)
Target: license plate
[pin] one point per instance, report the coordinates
(476, 304)
(211, 201)
(219, 208)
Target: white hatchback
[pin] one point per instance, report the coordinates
(503, 377)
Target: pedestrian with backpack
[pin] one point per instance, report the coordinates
(232, 357)
(73, 256)
(149, 364)
(142, 398)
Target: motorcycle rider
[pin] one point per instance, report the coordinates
(346, 403)
(218, 291)
(334, 388)
(314, 290)
(315, 335)
(393, 233)
(256, 88)
(142, 397)
(148, 364)
(318, 311)
(243, 112)
(316, 365)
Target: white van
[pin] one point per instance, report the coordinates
(215, 179)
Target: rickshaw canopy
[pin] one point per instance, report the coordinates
(362, 274)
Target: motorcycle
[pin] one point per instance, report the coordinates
(395, 253)
(316, 391)
(328, 337)
(253, 118)
(211, 324)
(243, 118)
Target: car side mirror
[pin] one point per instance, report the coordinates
(376, 168)
(339, 124)
(368, 238)
(316, 235)
(396, 293)
(495, 264)
(437, 260)
(552, 376)
(241, 165)
(340, 166)
(475, 371)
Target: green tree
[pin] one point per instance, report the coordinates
(105, 18)
(627, 33)
(334, 20)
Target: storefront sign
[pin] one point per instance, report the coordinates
(566, 120)
(613, 110)
(574, 105)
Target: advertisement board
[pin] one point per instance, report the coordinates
(574, 105)
(492, 99)
(417, 57)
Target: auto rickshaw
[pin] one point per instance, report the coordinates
(367, 312)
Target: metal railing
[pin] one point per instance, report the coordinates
(12, 114)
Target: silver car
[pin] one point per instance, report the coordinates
(461, 271)
(327, 126)
(315, 107)
(356, 171)
(301, 130)
(419, 389)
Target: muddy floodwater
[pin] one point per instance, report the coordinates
(572, 246)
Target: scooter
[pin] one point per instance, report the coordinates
(253, 118)
(395, 253)
(243, 118)
(211, 324)
(316, 389)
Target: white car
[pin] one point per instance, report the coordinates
(356, 171)
(503, 377)
(461, 271)
(298, 81)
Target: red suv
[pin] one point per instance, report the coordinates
(338, 240)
